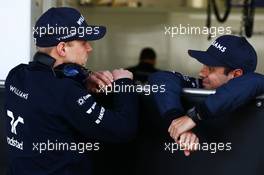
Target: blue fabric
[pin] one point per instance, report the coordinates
(234, 94)
(64, 24)
(227, 98)
(229, 51)
(61, 110)
(169, 102)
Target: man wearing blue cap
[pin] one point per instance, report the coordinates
(53, 122)
(228, 66)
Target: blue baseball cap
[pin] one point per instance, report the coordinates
(64, 24)
(228, 51)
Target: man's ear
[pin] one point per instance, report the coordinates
(61, 49)
(237, 72)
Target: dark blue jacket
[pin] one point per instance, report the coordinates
(42, 108)
(227, 98)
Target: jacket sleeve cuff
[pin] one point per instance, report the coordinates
(203, 111)
(194, 115)
(124, 81)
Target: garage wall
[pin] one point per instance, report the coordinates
(131, 30)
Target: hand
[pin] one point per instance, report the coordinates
(121, 73)
(189, 142)
(180, 125)
(98, 80)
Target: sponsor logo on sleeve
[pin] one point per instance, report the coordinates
(101, 115)
(83, 99)
(90, 110)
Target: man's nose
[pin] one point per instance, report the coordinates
(201, 75)
(88, 47)
(203, 72)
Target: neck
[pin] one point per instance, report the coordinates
(59, 60)
(148, 61)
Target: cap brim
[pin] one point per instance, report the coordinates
(98, 33)
(204, 58)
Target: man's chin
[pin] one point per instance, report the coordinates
(84, 63)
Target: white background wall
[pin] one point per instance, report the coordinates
(127, 34)
(15, 34)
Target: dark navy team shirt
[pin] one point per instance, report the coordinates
(42, 108)
(227, 98)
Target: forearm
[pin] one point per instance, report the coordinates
(169, 103)
(231, 96)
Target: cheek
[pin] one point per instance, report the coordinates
(217, 80)
(214, 81)
(72, 53)
(81, 52)
(78, 53)
(70, 56)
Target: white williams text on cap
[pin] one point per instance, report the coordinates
(219, 46)
(80, 20)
